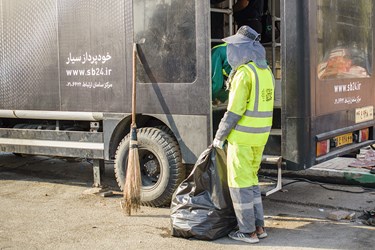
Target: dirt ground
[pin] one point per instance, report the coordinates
(43, 206)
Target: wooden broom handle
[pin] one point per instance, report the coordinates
(134, 99)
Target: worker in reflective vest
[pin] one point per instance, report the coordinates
(246, 126)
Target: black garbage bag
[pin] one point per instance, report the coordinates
(201, 206)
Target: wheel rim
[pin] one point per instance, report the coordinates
(150, 168)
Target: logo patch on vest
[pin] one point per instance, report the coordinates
(267, 95)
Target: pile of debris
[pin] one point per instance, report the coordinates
(366, 159)
(368, 218)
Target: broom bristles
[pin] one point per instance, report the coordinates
(132, 188)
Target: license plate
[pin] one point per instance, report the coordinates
(342, 140)
(364, 114)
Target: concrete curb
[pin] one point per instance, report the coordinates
(333, 171)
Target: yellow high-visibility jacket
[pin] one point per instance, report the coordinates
(248, 119)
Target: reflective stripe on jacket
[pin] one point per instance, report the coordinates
(251, 96)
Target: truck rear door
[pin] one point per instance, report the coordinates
(328, 79)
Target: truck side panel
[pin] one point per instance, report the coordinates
(63, 55)
(76, 58)
(92, 55)
(29, 77)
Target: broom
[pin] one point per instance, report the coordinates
(132, 188)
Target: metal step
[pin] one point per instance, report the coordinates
(276, 160)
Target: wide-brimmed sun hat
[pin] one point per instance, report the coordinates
(244, 34)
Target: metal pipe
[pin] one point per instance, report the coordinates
(51, 115)
(225, 11)
(273, 14)
(216, 40)
(7, 114)
(231, 17)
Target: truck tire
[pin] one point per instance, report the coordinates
(161, 165)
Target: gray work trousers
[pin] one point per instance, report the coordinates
(247, 203)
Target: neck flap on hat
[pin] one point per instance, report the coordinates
(241, 53)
